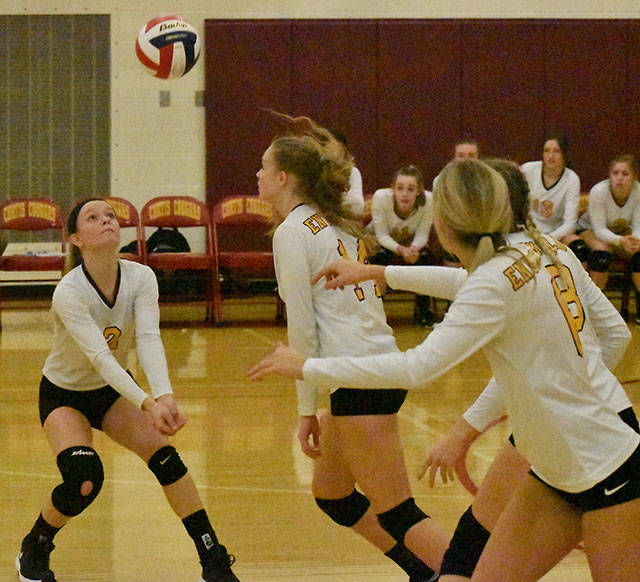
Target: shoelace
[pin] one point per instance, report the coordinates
(225, 559)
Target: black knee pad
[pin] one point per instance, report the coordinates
(465, 547)
(580, 249)
(167, 465)
(635, 263)
(399, 520)
(346, 511)
(77, 465)
(600, 261)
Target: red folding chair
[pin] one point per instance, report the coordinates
(180, 212)
(20, 263)
(242, 246)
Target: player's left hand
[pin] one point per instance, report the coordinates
(309, 435)
(411, 255)
(630, 244)
(441, 459)
(178, 419)
(347, 272)
(448, 451)
(284, 361)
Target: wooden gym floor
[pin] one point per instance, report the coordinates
(240, 445)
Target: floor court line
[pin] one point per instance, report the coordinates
(407, 412)
(264, 338)
(199, 486)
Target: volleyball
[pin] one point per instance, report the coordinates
(168, 47)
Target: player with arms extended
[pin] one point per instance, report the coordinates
(100, 307)
(304, 175)
(522, 305)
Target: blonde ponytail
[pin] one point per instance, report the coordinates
(472, 199)
(485, 251)
(548, 249)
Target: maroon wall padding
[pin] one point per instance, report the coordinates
(587, 92)
(327, 87)
(247, 68)
(419, 99)
(403, 91)
(632, 120)
(503, 87)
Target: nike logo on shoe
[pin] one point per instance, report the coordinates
(165, 460)
(612, 491)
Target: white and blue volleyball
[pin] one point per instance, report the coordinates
(168, 47)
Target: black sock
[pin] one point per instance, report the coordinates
(199, 528)
(424, 304)
(44, 528)
(409, 562)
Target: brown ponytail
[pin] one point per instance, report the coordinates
(322, 166)
(74, 258)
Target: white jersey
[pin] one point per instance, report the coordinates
(553, 210)
(606, 219)
(321, 322)
(354, 197)
(613, 335)
(435, 181)
(391, 230)
(92, 338)
(489, 406)
(543, 349)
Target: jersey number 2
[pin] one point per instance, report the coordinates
(569, 303)
(112, 335)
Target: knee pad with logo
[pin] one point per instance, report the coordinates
(78, 465)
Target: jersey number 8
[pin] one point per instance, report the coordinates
(569, 303)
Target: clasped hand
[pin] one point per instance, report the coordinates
(165, 414)
(630, 244)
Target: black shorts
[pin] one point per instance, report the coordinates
(93, 404)
(360, 402)
(621, 486)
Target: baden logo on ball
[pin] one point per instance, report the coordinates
(168, 47)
